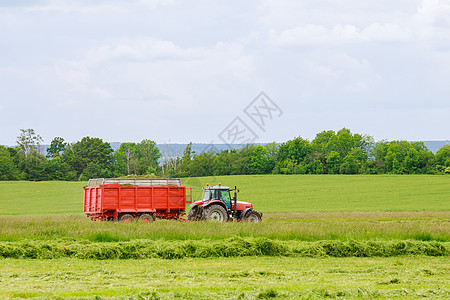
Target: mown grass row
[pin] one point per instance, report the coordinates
(231, 247)
(81, 228)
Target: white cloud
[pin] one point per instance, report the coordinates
(152, 4)
(387, 33)
(149, 68)
(429, 23)
(139, 49)
(312, 34)
(161, 63)
(96, 7)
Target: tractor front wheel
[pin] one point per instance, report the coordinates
(216, 213)
(252, 217)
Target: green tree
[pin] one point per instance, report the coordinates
(57, 147)
(126, 159)
(261, 161)
(8, 170)
(243, 163)
(333, 160)
(94, 170)
(225, 162)
(148, 155)
(28, 140)
(342, 142)
(57, 169)
(377, 159)
(443, 156)
(33, 166)
(319, 148)
(186, 161)
(349, 165)
(89, 151)
(412, 161)
(296, 150)
(202, 164)
(315, 167)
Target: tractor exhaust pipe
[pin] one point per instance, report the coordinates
(235, 202)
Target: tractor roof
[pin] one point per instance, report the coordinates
(216, 187)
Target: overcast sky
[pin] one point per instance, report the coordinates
(179, 71)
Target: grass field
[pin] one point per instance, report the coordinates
(339, 237)
(228, 278)
(80, 228)
(269, 194)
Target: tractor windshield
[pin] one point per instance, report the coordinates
(206, 195)
(217, 194)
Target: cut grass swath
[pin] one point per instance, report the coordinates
(231, 247)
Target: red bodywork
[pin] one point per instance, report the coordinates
(110, 201)
(241, 205)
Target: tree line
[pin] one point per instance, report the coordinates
(330, 152)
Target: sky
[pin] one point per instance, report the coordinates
(231, 71)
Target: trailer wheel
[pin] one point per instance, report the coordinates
(216, 213)
(126, 218)
(252, 217)
(145, 218)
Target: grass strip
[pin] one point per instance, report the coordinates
(231, 247)
(308, 228)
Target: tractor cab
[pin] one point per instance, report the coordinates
(217, 204)
(218, 192)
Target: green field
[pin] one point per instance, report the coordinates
(228, 278)
(268, 193)
(321, 237)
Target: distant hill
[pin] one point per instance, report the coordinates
(434, 146)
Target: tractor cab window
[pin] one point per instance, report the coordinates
(225, 198)
(215, 195)
(206, 195)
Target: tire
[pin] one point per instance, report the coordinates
(252, 217)
(146, 218)
(126, 218)
(216, 213)
(194, 214)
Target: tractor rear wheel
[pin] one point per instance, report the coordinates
(216, 213)
(145, 218)
(126, 218)
(194, 214)
(252, 217)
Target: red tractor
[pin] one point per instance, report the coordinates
(217, 205)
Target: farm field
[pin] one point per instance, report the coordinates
(268, 193)
(321, 237)
(228, 278)
(80, 228)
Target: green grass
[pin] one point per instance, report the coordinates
(308, 246)
(23, 198)
(231, 247)
(228, 278)
(80, 228)
(338, 193)
(268, 193)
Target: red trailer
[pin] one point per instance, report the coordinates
(128, 199)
